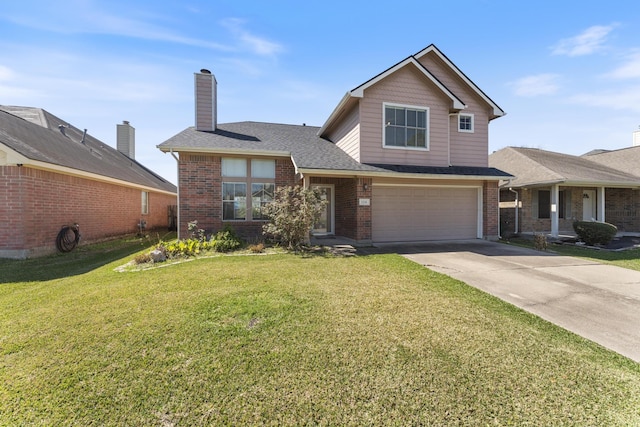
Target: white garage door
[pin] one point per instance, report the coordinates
(404, 214)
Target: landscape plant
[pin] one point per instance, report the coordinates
(595, 233)
(292, 214)
(288, 340)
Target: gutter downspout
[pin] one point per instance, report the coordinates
(178, 186)
(517, 204)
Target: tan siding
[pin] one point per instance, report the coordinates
(406, 86)
(467, 149)
(347, 135)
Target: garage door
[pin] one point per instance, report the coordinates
(404, 214)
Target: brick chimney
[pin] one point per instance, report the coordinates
(126, 139)
(206, 102)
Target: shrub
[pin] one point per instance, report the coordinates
(593, 233)
(225, 240)
(257, 248)
(142, 258)
(540, 242)
(292, 213)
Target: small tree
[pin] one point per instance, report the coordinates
(292, 214)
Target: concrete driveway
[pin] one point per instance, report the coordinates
(596, 301)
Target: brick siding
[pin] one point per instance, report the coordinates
(35, 204)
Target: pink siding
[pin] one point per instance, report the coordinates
(467, 149)
(406, 86)
(347, 134)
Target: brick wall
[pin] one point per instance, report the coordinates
(351, 220)
(201, 194)
(35, 204)
(622, 207)
(490, 209)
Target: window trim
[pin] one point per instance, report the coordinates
(411, 107)
(144, 202)
(473, 125)
(248, 180)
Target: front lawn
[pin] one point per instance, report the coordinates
(629, 258)
(291, 340)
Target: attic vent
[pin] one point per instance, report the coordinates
(62, 129)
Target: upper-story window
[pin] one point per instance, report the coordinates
(241, 176)
(406, 126)
(465, 123)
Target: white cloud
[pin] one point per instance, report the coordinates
(627, 99)
(589, 41)
(255, 44)
(86, 18)
(629, 70)
(537, 85)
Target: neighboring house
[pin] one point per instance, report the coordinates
(552, 190)
(53, 175)
(403, 157)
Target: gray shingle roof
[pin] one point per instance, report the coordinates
(533, 167)
(34, 133)
(625, 159)
(302, 143)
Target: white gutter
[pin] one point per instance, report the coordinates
(390, 174)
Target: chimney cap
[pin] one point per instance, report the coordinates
(205, 71)
(125, 122)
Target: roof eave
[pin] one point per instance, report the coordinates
(228, 151)
(391, 174)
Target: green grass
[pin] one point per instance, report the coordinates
(627, 258)
(289, 340)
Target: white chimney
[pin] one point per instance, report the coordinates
(126, 139)
(206, 102)
(636, 137)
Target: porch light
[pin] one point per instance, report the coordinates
(365, 187)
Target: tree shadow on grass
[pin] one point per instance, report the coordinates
(83, 259)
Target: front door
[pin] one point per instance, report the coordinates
(589, 205)
(325, 224)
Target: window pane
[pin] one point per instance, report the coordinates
(389, 116)
(400, 136)
(544, 204)
(234, 167)
(263, 168)
(421, 140)
(411, 137)
(400, 116)
(412, 118)
(421, 119)
(234, 202)
(389, 135)
(261, 194)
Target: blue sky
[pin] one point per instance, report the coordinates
(566, 72)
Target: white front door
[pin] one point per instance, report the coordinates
(589, 205)
(325, 224)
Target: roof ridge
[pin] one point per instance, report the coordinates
(529, 159)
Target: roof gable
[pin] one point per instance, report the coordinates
(432, 49)
(353, 95)
(38, 140)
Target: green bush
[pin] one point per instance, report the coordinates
(225, 240)
(594, 233)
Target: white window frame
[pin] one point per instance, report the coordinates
(472, 117)
(248, 180)
(144, 202)
(410, 107)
